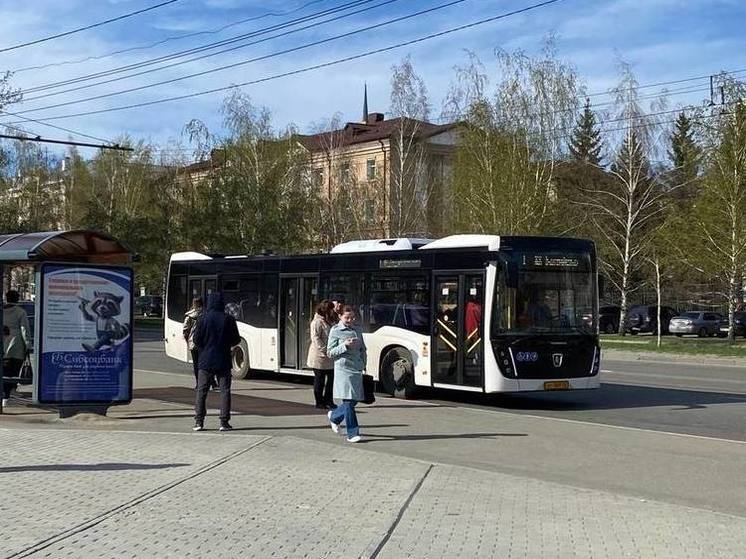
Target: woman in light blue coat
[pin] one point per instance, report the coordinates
(347, 347)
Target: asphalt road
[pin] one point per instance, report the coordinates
(659, 430)
(659, 395)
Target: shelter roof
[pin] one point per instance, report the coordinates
(78, 246)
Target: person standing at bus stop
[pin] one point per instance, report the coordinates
(191, 318)
(318, 360)
(215, 337)
(15, 339)
(347, 347)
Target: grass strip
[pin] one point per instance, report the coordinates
(681, 346)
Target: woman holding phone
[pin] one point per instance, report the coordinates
(347, 347)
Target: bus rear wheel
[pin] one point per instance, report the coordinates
(397, 373)
(240, 361)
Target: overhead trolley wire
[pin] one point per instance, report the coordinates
(167, 39)
(662, 94)
(29, 138)
(242, 63)
(85, 28)
(62, 128)
(313, 67)
(197, 49)
(25, 135)
(293, 49)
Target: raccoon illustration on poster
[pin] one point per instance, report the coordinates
(102, 309)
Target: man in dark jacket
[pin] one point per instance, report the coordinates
(215, 335)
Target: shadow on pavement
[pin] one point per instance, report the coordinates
(240, 403)
(608, 397)
(323, 427)
(375, 438)
(406, 406)
(104, 467)
(255, 388)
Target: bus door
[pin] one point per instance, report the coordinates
(458, 329)
(298, 299)
(202, 286)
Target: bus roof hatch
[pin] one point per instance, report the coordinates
(377, 245)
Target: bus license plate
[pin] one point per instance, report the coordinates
(557, 385)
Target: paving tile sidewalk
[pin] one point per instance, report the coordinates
(115, 494)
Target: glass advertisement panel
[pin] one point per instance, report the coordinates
(84, 347)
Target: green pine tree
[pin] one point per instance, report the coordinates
(685, 155)
(585, 143)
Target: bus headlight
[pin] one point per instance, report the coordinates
(504, 363)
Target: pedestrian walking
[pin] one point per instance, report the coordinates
(318, 360)
(191, 318)
(15, 341)
(215, 336)
(347, 348)
(339, 305)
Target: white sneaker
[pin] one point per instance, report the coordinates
(5, 403)
(355, 439)
(334, 426)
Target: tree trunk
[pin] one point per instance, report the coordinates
(658, 291)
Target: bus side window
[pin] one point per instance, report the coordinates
(350, 288)
(401, 301)
(177, 297)
(268, 301)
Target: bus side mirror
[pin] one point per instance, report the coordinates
(601, 285)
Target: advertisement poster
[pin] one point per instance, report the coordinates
(85, 335)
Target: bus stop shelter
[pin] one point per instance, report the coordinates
(82, 265)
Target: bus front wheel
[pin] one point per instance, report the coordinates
(397, 373)
(240, 361)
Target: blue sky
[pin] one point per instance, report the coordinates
(661, 39)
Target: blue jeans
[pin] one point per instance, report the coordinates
(346, 413)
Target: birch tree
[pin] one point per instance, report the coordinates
(411, 187)
(32, 193)
(506, 162)
(625, 210)
(258, 195)
(329, 225)
(718, 230)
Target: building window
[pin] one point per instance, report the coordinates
(371, 169)
(344, 172)
(369, 211)
(318, 177)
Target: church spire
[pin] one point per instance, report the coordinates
(365, 103)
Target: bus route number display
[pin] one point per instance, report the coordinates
(552, 261)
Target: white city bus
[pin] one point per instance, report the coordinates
(478, 313)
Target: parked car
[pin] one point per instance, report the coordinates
(700, 323)
(608, 319)
(149, 305)
(740, 325)
(644, 318)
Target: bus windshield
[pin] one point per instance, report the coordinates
(545, 293)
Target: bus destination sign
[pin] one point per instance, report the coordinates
(552, 261)
(397, 264)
